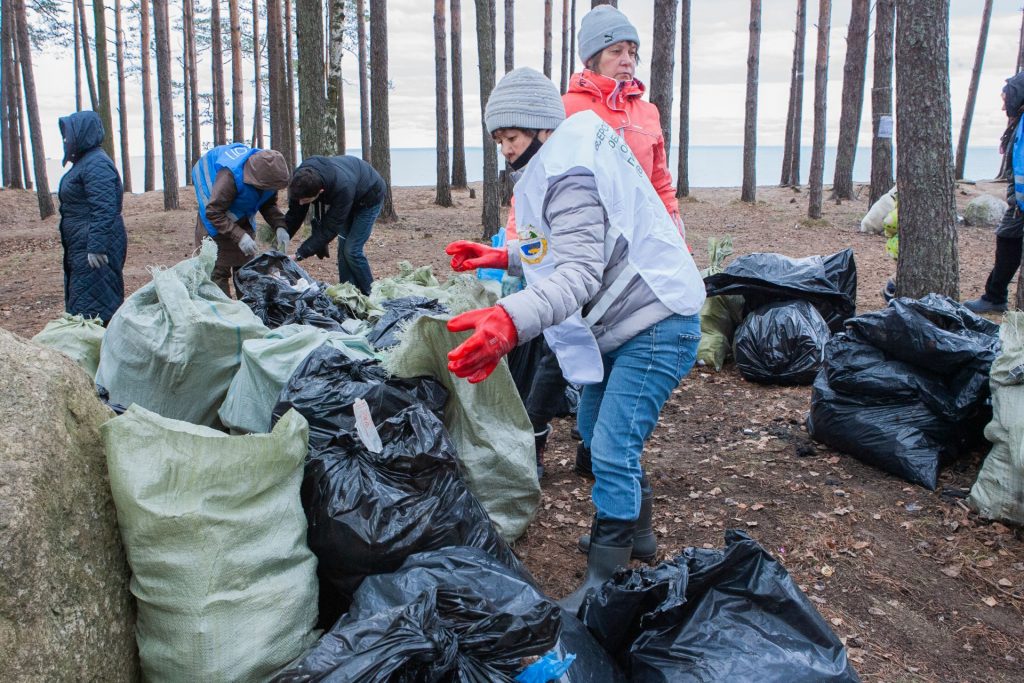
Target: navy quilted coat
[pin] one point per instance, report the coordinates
(90, 209)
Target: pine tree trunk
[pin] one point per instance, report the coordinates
(749, 191)
(277, 83)
(443, 196)
(237, 97)
(595, 3)
(220, 123)
(195, 138)
(12, 140)
(29, 83)
(564, 84)
(547, 38)
(510, 44)
(972, 92)
(663, 64)
(853, 99)
(683, 172)
(122, 108)
(335, 82)
(817, 173)
(458, 116)
(572, 37)
(103, 76)
(162, 29)
(791, 147)
(1020, 44)
(289, 54)
(929, 259)
(149, 149)
(78, 63)
(5, 156)
(23, 130)
(364, 84)
(881, 100)
(379, 113)
(257, 119)
(186, 95)
(318, 136)
(89, 74)
(491, 214)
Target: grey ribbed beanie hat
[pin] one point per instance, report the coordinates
(603, 26)
(524, 98)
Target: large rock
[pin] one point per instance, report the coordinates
(65, 609)
(985, 209)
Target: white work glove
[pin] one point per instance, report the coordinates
(96, 260)
(248, 246)
(283, 238)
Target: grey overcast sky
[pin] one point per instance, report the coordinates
(718, 70)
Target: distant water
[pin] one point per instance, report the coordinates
(710, 166)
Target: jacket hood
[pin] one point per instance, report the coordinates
(1014, 91)
(589, 82)
(82, 131)
(266, 170)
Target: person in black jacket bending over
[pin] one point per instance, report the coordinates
(346, 194)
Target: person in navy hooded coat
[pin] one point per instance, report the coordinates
(91, 227)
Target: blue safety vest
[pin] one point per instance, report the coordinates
(248, 199)
(1018, 164)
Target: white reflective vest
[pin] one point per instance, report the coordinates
(635, 212)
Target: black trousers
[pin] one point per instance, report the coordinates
(1008, 257)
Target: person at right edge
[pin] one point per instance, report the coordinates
(609, 48)
(347, 195)
(610, 284)
(1010, 231)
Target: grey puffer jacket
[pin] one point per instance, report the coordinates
(578, 221)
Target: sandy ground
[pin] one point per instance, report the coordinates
(901, 573)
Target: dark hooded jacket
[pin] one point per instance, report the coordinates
(350, 184)
(90, 209)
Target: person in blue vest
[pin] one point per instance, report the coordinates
(347, 195)
(232, 183)
(611, 286)
(91, 227)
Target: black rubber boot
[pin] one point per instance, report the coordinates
(645, 544)
(611, 547)
(540, 440)
(583, 467)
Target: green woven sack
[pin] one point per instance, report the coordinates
(76, 337)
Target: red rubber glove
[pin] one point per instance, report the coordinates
(494, 335)
(470, 255)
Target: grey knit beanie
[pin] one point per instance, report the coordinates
(524, 98)
(603, 26)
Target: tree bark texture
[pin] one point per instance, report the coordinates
(103, 76)
(683, 171)
(46, 208)
(817, 172)
(547, 38)
(237, 98)
(23, 130)
(791, 148)
(929, 259)
(186, 95)
(972, 92)
(852, 106)
(148, 148)
(335, 82)
(78, 66)
(257, 119)
(595, 3)
(195, 139)
(443, 196)
(379, 114)
(90, 78)
(458, 117)
(749, 190)
(364, 84)
(572, 37)
(220, 123)
(1020, 44)
(289, 64)
(162, 30)
(881, 99)
(491, 214)
(316, 126)
(277, 83)
(564, 82)
(12, 137)
(663, 64)
(5, 57)
(510, 27)
(122, 108)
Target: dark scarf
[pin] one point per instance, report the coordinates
(528, 153)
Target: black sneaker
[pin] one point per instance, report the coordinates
(889, 291)
(983, 305)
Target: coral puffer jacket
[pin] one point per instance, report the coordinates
(620, 105)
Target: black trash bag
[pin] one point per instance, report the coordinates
(726, 615)
(398, 313)
(830, 283)
(368, 512)
(781, 343)
(104, 396)
(449, 615)
(327, 383)
(906, 388)
(280, 292)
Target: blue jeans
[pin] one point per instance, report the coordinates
(352, 264)
(618, 415)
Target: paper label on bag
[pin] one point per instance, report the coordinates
(365, 428)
